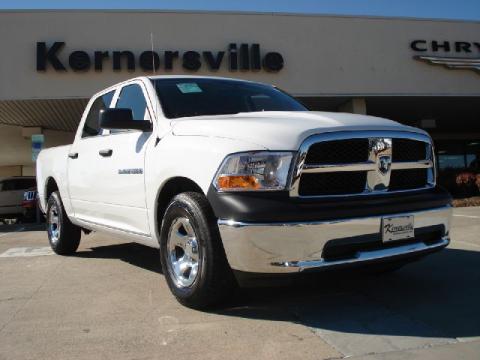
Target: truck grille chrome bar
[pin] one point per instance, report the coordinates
(393, 161)
(366, 166)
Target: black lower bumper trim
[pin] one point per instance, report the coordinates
(280, 207)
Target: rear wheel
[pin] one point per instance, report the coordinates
(192, 254)
(64, 237)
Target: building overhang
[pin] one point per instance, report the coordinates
(54, 114)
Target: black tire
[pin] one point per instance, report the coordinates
(63, 236)
(214, 281)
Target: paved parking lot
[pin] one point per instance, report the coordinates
(111, 301)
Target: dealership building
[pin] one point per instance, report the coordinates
(419, 72)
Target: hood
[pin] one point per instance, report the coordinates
(280, 130)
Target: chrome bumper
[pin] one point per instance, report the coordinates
(294, 247)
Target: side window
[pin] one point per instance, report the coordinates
(92, 126)
(131, 97)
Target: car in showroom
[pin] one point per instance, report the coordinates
(12, 191)
(30, 206)
(233, 179)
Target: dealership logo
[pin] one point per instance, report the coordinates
(463, 51)
(394, 229)
(243, 57)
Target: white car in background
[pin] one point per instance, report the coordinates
(12, 190)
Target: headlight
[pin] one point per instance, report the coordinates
(254, 171)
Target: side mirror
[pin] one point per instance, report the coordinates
(122, 119)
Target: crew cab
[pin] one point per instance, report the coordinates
(231, 178)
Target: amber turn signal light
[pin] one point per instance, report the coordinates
(229, 182)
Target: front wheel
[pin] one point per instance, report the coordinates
(192, 254)
(64, 237)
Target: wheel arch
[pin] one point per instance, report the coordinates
(171, 188)
(50, 186)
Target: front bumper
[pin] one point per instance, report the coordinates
(289, 247)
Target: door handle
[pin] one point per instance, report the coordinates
(106, 152)
(73, 155)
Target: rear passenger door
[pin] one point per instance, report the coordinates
(87, 175)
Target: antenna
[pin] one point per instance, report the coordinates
(154, 73)
(153, 57)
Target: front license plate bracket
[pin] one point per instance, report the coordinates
(396, 228)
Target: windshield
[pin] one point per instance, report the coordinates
(184, 97)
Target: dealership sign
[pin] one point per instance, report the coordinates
(461, 49)
(244, 57)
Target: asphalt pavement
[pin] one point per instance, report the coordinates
(110, 301)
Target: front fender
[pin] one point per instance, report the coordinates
(193, 157)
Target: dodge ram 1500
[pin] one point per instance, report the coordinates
(231, 178)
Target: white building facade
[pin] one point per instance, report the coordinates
(420, 72)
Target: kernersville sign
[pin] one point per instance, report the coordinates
(243, 57)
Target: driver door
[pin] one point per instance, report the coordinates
(125, 163)
(106, 169)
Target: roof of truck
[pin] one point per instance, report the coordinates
(155, 77)
(158, 77)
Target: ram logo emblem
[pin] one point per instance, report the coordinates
(384, 164)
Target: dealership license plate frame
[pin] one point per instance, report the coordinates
(405, 224)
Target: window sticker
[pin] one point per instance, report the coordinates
(188, 88)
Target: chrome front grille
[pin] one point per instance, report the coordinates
(361, 163)
(408, 150)
(332, 183)
(338, 151)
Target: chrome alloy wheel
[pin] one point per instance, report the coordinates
(53, 224)
(183, 254)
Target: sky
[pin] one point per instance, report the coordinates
(437, 9)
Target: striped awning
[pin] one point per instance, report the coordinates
(55, 114)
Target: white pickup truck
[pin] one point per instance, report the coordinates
(233, 179)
